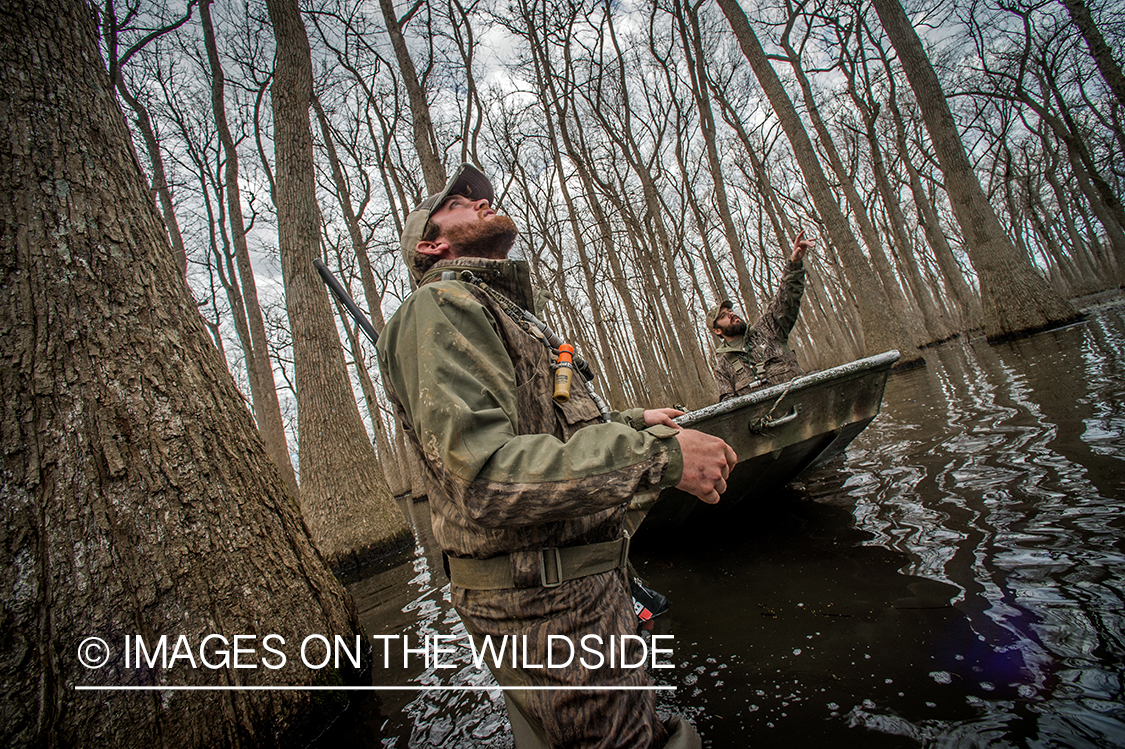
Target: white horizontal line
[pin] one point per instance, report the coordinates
(231, 688)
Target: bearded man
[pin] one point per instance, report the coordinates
(528, 496)
(750, 358)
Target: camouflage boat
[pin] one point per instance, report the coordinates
(779, 432)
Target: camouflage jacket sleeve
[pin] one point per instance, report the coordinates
(634, 417)
(447, 363)
(786, 304)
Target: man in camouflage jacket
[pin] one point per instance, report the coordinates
(750, 358)
(510, 472)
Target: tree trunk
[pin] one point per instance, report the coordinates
(159, 175)
(881, 331)
(259, 369)
(344, 497)
(642, 339)
(138, 498)
(383, 448)
(698, 386)
(545, 95)
(1099, 50)
(371, 293)
(895, 298)
(1016, 299)
(143, 122)
(967, 302)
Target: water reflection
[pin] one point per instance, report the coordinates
(956, 580)
(1024, 487)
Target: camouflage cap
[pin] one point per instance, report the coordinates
(714, 312)
(467, 180)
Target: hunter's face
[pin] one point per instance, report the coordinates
(474, 229)
(729, 325)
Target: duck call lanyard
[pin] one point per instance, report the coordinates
(537, 328)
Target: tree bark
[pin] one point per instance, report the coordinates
(1016, 299)
(138, 498)
(344, 497)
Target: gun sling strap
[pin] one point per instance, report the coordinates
(556, 566)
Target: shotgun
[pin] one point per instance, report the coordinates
(345, 299)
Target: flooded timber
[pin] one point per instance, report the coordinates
(956, 579)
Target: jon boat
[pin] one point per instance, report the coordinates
(778, 432)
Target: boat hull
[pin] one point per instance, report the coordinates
(778, 433)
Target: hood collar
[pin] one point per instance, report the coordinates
(738, 344)
(512, 278)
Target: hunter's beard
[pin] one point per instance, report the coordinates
(733, 329)
(488, 238)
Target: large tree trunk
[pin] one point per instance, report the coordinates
(138, 498)
(344, 497)
(881, 330)
(1016, 299)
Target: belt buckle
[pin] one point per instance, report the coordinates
(625, 541)
(550, 553)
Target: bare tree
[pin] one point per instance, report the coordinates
(344, 497)
(424, 141)
(118, 59)
(259, 369)
(846, 179)
(687, 19)
(968, 303)
(1102, 53)
(1016, 299)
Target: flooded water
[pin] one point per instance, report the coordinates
(956, 579)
